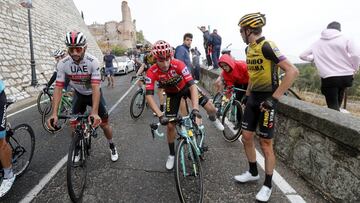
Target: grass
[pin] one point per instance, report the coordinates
(352, 105)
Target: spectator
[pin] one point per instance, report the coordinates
(182, 51)
(337, 59)
(109, 67)
(215, 41)
(196, 63)
(207, 46)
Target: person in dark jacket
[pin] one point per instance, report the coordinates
(215, 41)
(207, 45)
(196, 63)
(182, 51)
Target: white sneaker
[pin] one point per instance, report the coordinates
(114, 154)
(170, 162)
(264, 194)
(218, 125)
(246, 177)
(6, 185)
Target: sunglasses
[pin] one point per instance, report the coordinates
(77, 49)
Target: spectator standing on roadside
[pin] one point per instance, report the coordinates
(207, 46)
(196, 64)
(109, 67)
(215, 41)
(182, 52)
(337, 59)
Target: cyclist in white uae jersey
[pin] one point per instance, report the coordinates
(84, 73)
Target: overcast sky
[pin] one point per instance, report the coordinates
(292, 25)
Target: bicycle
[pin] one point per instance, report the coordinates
(21, 139)
(138, 102)
(79, 153)
(189, 152)
(65, 107)
(44, 99)
(228, 109)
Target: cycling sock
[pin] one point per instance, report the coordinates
(8, 173)
(172, 149)
(161, 107)
(253, 168)
(112, 146)
(268, 180)
(212, 117)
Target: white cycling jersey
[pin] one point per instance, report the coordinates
(81, 75)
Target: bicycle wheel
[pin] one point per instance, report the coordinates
(137, 104)
(217, 103)
(292, 93)
(22, 142)
(61, 122)
(188, 173)
(43, 100)
(76, 170)
(230, 121)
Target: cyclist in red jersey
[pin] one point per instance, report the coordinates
(174, 77)
(235, 74)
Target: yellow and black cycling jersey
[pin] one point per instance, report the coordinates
(262, 57)
(149, 60)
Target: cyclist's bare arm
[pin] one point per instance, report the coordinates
(56, 99)
(95, 98)
(219, 86)
(141, 69)
(291, 72)
(150, 100)
(194, 96)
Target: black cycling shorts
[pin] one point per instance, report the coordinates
(253, 117)
(2, 115)
(173, 101)
(80, 102)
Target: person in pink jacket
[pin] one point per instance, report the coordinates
(337, 59)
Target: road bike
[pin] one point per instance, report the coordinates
(79, 154)
(138, 102)
(21, 139)
(65, 107)
(189, 152)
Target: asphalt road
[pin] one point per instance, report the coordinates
(140, 175)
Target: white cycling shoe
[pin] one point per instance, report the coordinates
(218, 125)
(264, 194)
(6, 185)
(246, 177)
(170, 162)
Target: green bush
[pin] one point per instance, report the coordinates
(118, 50)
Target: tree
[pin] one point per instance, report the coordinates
(140, 39)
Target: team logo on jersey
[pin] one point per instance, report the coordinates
(172, 73)
(76, 69)
(148, 80)
(185, 71)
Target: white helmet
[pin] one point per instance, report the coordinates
(58, 53)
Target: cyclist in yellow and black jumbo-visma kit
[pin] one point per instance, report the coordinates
(263, 59)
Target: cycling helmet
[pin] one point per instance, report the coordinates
(58, 53)
(253, 20)
(162, 50)
(75, 39)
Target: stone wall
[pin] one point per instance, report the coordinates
(50, 21)
(321, 145)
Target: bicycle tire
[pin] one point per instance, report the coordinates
(76, 191)
(139, 96)
(292, 93)
(217, 103)
(44, 98)
(188, 192)
(61, 123)
(228, 133)
(18, 148)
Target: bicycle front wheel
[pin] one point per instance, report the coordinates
(22, 143)
(188, 173)
(43, 100)
(61, 122)
(76, 171)
(231, 119)
(137, 104)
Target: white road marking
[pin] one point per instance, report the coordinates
(32, 194)
(279, 181)
(24, 109)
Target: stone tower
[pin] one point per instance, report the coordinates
(126, 28)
